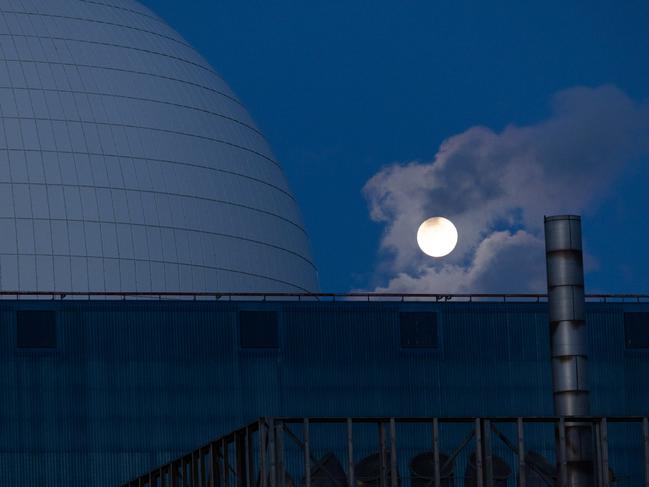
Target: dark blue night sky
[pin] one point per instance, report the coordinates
(343, 88)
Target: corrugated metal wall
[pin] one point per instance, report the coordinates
(134, 384)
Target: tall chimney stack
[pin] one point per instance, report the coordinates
(569, 341)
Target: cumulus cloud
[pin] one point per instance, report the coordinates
(496, 187)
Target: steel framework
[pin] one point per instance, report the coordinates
(272, 452)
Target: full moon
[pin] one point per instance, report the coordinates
(437, 236)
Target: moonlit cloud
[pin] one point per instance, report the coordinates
(496, 187)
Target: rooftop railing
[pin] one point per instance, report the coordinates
(417, 452)
(325, 297)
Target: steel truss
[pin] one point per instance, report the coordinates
(258, 454)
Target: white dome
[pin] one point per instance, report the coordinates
(127, 164)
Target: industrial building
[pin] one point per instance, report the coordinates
(107, 390)
(160, 317)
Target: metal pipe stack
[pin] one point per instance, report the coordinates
(565, 272)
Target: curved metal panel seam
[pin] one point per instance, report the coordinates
(121, 46)
(146, 225)
(155, 129)
(150, 159)
(148, 191)
(137, 12)
(151, 100)
(130, 71)
(82, 19)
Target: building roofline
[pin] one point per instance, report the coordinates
(304, 296)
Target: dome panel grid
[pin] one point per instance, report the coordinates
(127, 164)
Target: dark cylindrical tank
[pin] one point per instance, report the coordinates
(368, 471)
(327, 472)
(422, 468)
(501, 472)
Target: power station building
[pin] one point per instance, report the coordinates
(99, 392)
(159, 293)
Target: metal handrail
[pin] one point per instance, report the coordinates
(369, 296)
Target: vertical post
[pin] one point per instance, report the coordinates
(393, 454)
(569, 341)
(382, 478)
(240, 458)
(645, 440)
(262, 453)
(225, 472)
(279, 444)
(489, 466)
(563, 470)
(174, 474)
(250, 472)
(350, 452)
(598, 455)
(307, 453)
(478, 452)
(437, 473)
(604, 433)
(522, 480)
(273, 453)
(214, 468)
(201, 466)
(194, 467)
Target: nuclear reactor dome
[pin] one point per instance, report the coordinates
(127, 164)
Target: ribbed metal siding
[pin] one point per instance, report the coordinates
(352, 352)
(134, 384)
